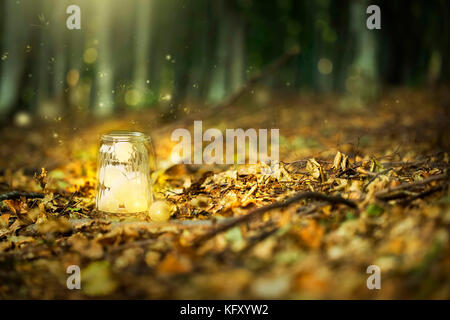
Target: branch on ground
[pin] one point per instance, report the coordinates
(277, 205)
(18, 194)
(387, 193)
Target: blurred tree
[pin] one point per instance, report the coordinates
(142, 65)
(139, 53)
(12, 55)
(104, 75)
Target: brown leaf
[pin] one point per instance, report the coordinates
(310, 235)
(20, 209)
(175, 264)
(315, 170)
(337, 161)
(41, 178)
(4, 220)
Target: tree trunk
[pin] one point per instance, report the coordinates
(12, 54)
(142, 64)
(104, 76)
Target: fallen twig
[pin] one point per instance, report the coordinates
(403, 163)
(423, 194)
(283, 204)
(255, 240)
(18, 194)
(229, 101)
(352, 168)
(387, 192)
(69, 202)
(274, 66)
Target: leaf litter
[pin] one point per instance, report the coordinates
(372, 189)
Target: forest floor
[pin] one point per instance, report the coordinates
(353, 188)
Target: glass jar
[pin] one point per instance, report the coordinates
(123, 172)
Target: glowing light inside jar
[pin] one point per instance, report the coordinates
(123, 173)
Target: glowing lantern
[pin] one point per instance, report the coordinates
(123, 173)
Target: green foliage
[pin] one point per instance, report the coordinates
(374, 210)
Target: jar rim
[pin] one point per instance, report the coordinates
(124, 136)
